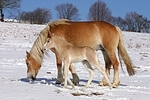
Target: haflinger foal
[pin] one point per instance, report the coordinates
(70, 54)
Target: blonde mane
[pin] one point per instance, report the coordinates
(36, 51)
(58, 22)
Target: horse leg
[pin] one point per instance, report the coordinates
(90, 69)
(60, 78)
(108, 67)
(115, 64)
(74, 75)
(95, 62)
(66, 69)
(104, 73)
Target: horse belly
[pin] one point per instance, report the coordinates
(76, 60)
(90, 41)
(77, 55)
(84, 35)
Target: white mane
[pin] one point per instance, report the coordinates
(36, 50)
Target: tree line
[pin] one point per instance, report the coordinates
(98, 11)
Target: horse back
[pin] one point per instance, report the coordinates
(92, 33)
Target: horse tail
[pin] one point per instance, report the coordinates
(124, 55)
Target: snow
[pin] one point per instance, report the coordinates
(16, 38)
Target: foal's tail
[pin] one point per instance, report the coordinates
(123, 53)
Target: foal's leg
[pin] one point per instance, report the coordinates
(93, 60)
(66, 69)
(103, 72)
(60, 78)
(90, 69)
(105, 75)
(107, 66)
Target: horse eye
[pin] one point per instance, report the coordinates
(27, 64)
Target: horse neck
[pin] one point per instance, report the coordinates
(36, 51)
(60, 45)
(37, 54)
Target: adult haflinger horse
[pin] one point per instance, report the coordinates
(70, 54)
(98, 35)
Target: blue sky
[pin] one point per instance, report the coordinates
(117, 7)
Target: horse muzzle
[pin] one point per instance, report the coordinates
(31, 77)
(44, 49)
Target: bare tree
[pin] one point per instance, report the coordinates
(8, 5)
(27, 17)
(38, 16)
(120, 22)
(99, 12)
(137, 23)
(42, 15)
(67, 11)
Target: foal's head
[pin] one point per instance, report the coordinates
(48, 45)
(32, 67)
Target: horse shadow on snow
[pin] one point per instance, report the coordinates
(53, 80)
(39, 81)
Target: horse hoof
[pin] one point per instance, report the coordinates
(75, 79)
(59, 81)
(103, 84)
(115, 85)
(75, 83)
(110, 87)
(83, 89)
(64, 87)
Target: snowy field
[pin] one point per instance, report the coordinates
(16, 38)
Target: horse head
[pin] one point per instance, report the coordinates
(32, 67)
(34, 58)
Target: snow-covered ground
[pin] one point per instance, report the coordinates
(16, 38)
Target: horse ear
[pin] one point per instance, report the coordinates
(27, 53)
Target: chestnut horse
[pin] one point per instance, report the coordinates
(71, 54)
(98, 35)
